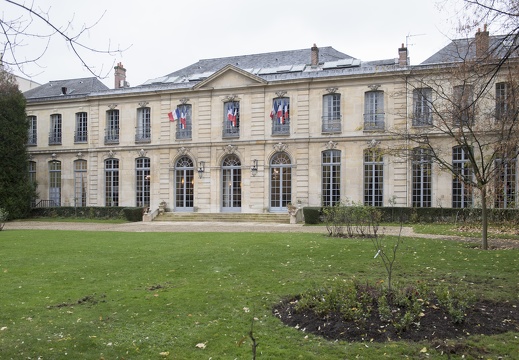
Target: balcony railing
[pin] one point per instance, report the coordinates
(183, 134)
(143, 135)
(55, 139)
(332, 123)
(374, 121)
(231, 132)
(281, 129)
(80, 137)
(112, 136)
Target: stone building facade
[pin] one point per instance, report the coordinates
(250, 133)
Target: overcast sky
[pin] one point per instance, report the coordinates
(161, 36)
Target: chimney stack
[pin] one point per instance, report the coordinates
(314, 60)
(120, 76)
(403, 59)
(482, 42)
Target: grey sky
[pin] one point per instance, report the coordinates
(164, 36)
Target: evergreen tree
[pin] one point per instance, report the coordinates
(16, 190)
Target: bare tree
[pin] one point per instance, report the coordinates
(25, 29)
(464, 117)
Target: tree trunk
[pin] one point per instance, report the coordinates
(484, 219)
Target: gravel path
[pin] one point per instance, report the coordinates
(175, 226)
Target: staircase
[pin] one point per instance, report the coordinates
(224, 217)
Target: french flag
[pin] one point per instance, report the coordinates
(173, 115)
(280, 113)
(183, 120)
(286, 111)
(229, 113)
(273, 112)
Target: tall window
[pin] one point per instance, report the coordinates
(332, 113)
(506, 183)
(32, 172)
(231, 119)
(142, 174)
(80, 182)
(184, 184)
(331, 177)
(374, 110)
(33, 132)
(32, 178)
(280, 115)
(422, 167)
(143, 131)
(422, 107)
(461, 190)
(112, 182)
(463, 105)
(503, 101)
(373, 178)
(55, 182)
(231, 183)
(81, 127)
(112, 127)
(280, 182)
(55, 129)
(185, 122)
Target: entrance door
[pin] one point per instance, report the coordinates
(280, 182)
(184, 184)
(55, 183)
(231, 184)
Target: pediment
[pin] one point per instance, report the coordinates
(230, 77)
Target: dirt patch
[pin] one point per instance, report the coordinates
(484, 317)
(86, 300)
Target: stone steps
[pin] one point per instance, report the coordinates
(224, 217)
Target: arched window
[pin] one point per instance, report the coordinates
(280, 182)
(231, 183)
(112, 182)
(422, 175)
(184, 184)
(55, 182)
(461, 189)
(80, 183)
(373, 178)
(331, 177)
(142, 175)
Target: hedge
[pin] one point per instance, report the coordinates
(430, 215)
(130, 214)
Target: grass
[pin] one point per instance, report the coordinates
(468, 230)
(92, 295)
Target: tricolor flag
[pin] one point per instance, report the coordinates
(229, 113)
(272, 112)
(286, 111)
(183, 120)
(173, 115)
(234, 117)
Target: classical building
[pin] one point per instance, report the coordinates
(249, 133)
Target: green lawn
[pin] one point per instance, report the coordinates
(92, 295)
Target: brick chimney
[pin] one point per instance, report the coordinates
(314, 59)
(403, 59)
(482, 42)
(120, 76)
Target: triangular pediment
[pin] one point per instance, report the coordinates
(230, 77)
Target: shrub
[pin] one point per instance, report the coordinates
(312, 215)
(4, 215)
(133, 214)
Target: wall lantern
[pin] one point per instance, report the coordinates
(201, 169)
(254, 167)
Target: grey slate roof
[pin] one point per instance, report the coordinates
(465, 49)
(266, 60)
(74, 88)
(263, 65)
